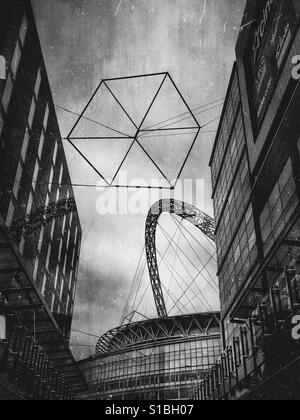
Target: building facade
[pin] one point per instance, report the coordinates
(162, 359)
(40, 231)
(255, 172)
(35, 181)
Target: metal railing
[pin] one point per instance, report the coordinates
(25, 367)
(263, 345)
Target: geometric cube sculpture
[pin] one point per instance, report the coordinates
(140, 125)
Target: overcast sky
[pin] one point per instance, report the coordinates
(85, 41)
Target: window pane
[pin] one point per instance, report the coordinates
(48, 256)
(44, 285)
(25, 145)
(29, 205)
(38, 84)
(41, 238)
(46, 117)
(51, 178)
(18, 180)
(23, 30)
(10, 214)
(41, 145)
(16, 60)
(55, 152)
(36, 266)
(31, 112)
(7, 93)
(1, 124)
(35, 175)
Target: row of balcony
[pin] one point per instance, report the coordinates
(261, 347)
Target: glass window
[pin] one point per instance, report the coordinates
(52, 229)
(2, 68)
(44, 285)
(7, 93)
(67, 304)
(64, 224)
(41, 145)
(60, 249)
(279, 207)
(65, 263)
(16, 60)
(61, 174)
(51, 178)
(32, 112)
(25, 145)
(46, 117)
(2, 328)
(18, 178)
(52, 302)
(47, 200)
(240, 258)
(70, 279)
(71, 220)
(10, 214)
(41, 238)
(56, 277)
(29, 205)
(226, 125)
(55, 153)
(38, 84)
(57, 195)
(48, 257)
(76, 234)
(23, 30)
(231, 158)
(35, 270)
(68, 240)
(35, 174)
(1, 127)
(73, 257)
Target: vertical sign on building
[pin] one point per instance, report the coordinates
(273, 30)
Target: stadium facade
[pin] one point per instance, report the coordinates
(157, 359)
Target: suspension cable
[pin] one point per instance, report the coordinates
(204, 265)
(199, 271)
(168, 265)
(184, 291)
(200, 291)
(169, 244)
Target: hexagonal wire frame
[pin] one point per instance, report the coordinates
(135, 139)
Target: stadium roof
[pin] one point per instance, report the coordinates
(152, 331)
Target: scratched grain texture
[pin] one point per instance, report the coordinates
(86, 40)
